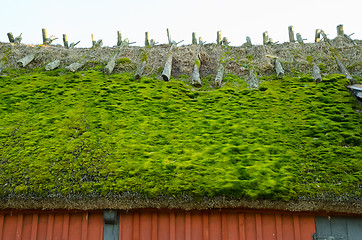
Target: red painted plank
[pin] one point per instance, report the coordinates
(205, 226)
(34, 227)
(172, 226)
(65, 227)
(1, 225)
(188, 226)
(215, 225)
(268, 226)
(287, 226)
(146, 226)
(196, 225)
(163, 226)
(19, 227)
(136, 226)
(296, 227)
(154, 225)
(279, 230)
(259, 230)
(180, 225)
(307, 227)
(241, 222)
(85, 226)
(232, 226)
(250, 226)
(224, 226)
(50, 227)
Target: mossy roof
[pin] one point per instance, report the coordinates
(68, 138)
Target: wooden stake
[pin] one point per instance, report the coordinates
(45, 36)
(299, 38)
(65, 41)
(265, 38)
(147, 41)
(166, 73)
(340, 31)
(119, 38)
(27, 59)
(317, 35)
(201, 40)
(248, 42)
(11, 37)
(218, 37)
(253, 80)
(75, 66)
(53, 65)
(93, 41)
(225, 41)
(108, 69)
(316, 73)
(194, 39)
(291, 34)
(140, 69)
(279, 69)
(219, 75)
(169, 37)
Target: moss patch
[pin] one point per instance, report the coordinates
(86, 133)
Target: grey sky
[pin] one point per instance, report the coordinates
(236, 19)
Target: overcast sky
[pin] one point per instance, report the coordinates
(235, 18)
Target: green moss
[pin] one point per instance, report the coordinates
(310, 60)
(197, 63)
(123, 61)
(89, 133)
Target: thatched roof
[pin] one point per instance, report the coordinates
(89, 141)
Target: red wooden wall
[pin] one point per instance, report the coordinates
(158, 224)
(214, 225)
(58, 225)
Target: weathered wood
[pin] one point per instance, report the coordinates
(140, 69)
(253, 80)
(265, 38)
(2, 66)
(340, 31)
(201, 40)
(65, 41)
(108, 69)
(169, 37)
(326, 39)
(218, 37)
(194, 39)
(195, 80)
(75, 66)
(248, 42)
(11, 37)
(72, 45)
(220, 74)
(18, 39)
(317, 37)
(119, 38)
(279, 69)
(316, 73)
(225, 41)
(344, 69)
(339, 62)
(299, 38)
(52, 65)
(93, 40)
(166, 73)
(27, 59)
(147, 41)
(291, 34)
(152, 43)
(45, 36)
